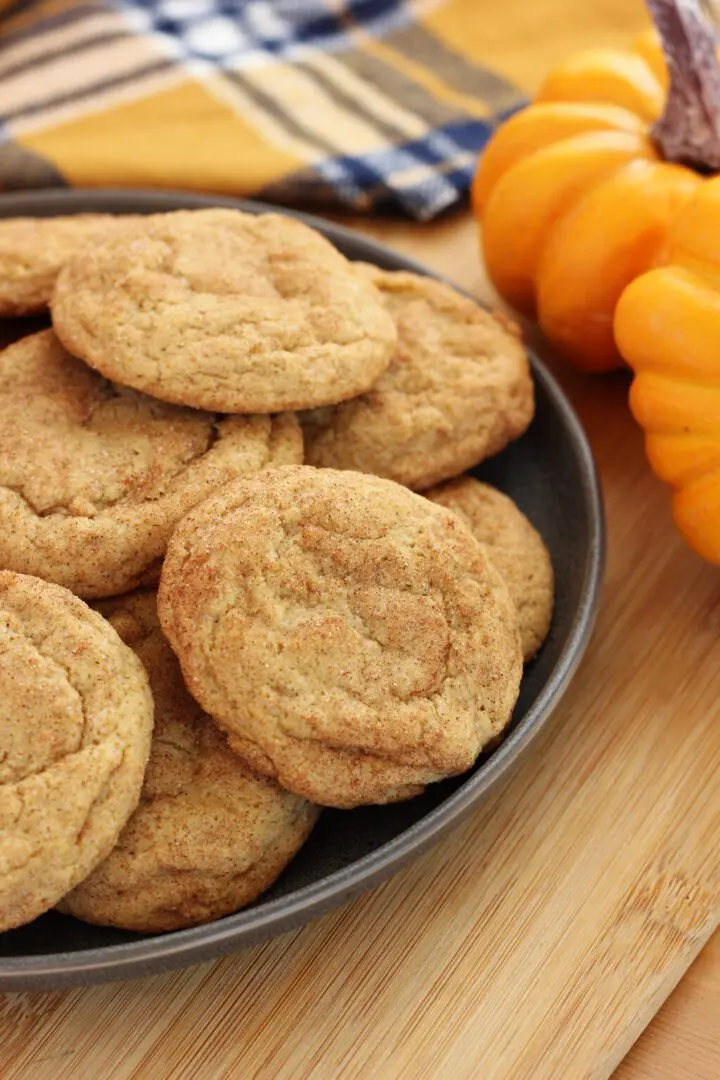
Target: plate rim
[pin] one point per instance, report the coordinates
(152, 954)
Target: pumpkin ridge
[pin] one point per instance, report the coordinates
(648, 46)
(696, 510)
(558, 175)
(668, 455)
(611, 235)
(663, 405)
(540, 125)
(613, 76)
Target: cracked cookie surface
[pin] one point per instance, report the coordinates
(74, 742)
(209, 835)
(93, 477)
(352, 637)
(515, 546)
(33, 250)
(224, 310)
(457, 391)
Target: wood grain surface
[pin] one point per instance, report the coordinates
(684, 1038)
(539, 940)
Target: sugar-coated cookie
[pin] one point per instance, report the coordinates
(352, 637)
(93, 477)
(74, 742)
(33, 250)
(227, 311)
(515, 546)
(457, 391)
(209, 835)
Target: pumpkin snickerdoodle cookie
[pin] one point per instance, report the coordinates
(93, 477)
(33, 250)
(224, 310)
(74, 742)
(515, 547)
(457, 391)
(352, 637)
(208, 835)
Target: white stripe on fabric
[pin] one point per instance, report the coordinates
(185, 9)
(34, 48)
(262, 20)
(268, 127)
(419, 8)
(217, 37)
(98, 101)
(65, 75)
(299, 97)
(367, 96)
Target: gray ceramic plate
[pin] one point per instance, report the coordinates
(551, 475)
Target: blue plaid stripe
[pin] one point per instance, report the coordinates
(226, 32)
(439, 170)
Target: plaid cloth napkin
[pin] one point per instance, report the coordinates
(358, 103)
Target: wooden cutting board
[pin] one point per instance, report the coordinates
(537, 941)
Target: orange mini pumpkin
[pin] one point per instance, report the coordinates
(667, 326)
(576, 193)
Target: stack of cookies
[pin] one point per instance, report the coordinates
(223, 603)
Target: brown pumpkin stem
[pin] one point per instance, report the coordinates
(689, 129)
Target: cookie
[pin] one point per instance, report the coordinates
(93, 477)
(351, 636)
(74, 742)
(208, 835)
(33, 250)
(514, 546)
(224, 310)
(458, 390)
